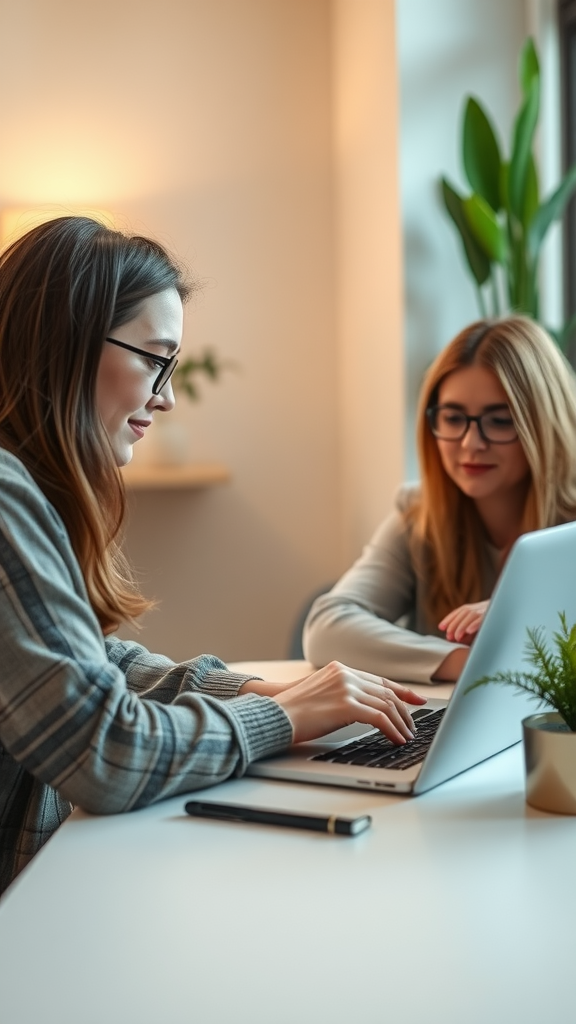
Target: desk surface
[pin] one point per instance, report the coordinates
(457, 906)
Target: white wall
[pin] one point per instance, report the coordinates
(446, 49)
(542, 25)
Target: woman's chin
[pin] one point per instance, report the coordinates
(123, 456)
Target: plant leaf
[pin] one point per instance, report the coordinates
(486, 228)
(551, 210)
(531, 194)
(481, 154)
(208, 363)
(477, 259)
(529, 65)
(554, 678)
(504, 175)
(524, 129)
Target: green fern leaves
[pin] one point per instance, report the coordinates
(554, 677)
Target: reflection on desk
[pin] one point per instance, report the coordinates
(455, 907)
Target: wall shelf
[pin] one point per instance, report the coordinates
(174, 477)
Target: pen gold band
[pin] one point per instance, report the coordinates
(331, 824)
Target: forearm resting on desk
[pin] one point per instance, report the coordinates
(450, 669)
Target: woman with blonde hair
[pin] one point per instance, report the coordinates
(90, 330)
(497, 448)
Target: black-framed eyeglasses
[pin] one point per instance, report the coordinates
(449, 424)
(167, 365)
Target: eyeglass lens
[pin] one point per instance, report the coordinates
(449, 424)
(164, 376)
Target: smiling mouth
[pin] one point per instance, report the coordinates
(138, 427)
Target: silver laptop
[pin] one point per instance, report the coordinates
(538, 582)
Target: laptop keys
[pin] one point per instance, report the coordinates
(377, 751)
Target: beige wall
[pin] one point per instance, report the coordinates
(258, 139)
(368, 298)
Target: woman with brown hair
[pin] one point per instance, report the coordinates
(90, 329)
(497, 448)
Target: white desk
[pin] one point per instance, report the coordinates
(456, 907)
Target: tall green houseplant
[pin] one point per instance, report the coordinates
(502, 223)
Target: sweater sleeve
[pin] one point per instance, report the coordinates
(157, 677)
(357, 621)
(109, 726)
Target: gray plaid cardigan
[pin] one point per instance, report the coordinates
(97, 722)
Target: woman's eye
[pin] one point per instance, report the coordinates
(453, 418)
(154, 364)
(499, 422)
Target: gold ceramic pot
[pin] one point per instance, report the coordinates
(550, 756)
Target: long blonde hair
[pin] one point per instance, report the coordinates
(447, 535)
(63, 287)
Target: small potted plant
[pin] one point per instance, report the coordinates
(549, 736)
(169, 440)
(183, 378)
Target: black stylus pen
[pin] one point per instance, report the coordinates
(235, 812)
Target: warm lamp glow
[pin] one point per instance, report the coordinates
(15, 221)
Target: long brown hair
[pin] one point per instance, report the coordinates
(64, 286)
(541, 390)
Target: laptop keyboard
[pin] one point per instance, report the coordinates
(377, 751)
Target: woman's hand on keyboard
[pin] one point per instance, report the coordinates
(336, 696)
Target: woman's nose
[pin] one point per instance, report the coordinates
(473, 438)
(164, 401)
